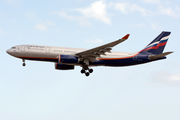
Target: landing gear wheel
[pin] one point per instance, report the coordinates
(24, 64)
(87, 74)
(85, 69)
(82, 71)
(90, 70)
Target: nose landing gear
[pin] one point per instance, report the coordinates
(24, 64)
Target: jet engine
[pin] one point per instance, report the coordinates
(67, 59)
(59, 66)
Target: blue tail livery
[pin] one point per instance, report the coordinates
(158, 44)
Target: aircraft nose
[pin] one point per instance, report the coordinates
(8, 51)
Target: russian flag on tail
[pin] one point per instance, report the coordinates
(158, 44)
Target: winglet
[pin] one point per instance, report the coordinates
(126, 36)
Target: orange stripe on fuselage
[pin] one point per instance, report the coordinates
(97, 58)
(35, 57)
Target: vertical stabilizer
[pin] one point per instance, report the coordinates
(158, 44)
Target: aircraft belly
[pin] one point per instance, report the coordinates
(123, 62)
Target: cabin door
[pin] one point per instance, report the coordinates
(23, 48)
(47, 50)
(135, 57)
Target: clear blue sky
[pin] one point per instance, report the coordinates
(39, 92)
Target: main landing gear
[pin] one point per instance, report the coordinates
(24, 64)
(85, 70)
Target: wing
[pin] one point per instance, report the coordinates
(92, 54)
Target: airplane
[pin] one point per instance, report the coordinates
(67, 58)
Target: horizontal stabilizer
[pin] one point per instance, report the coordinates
(153, 57)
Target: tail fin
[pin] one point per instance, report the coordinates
(158, 44)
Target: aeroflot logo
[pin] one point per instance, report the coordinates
(34, 46)
(164, 39)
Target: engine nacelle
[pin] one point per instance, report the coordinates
(67, 59)
(59, 66)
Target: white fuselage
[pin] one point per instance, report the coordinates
(50, 52)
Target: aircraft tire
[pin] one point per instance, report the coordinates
(87, 74)
(24, 64)
(90, 70)
(82, 71)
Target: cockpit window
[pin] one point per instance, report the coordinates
(13, 48)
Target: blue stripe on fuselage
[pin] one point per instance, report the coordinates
(139, 59)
